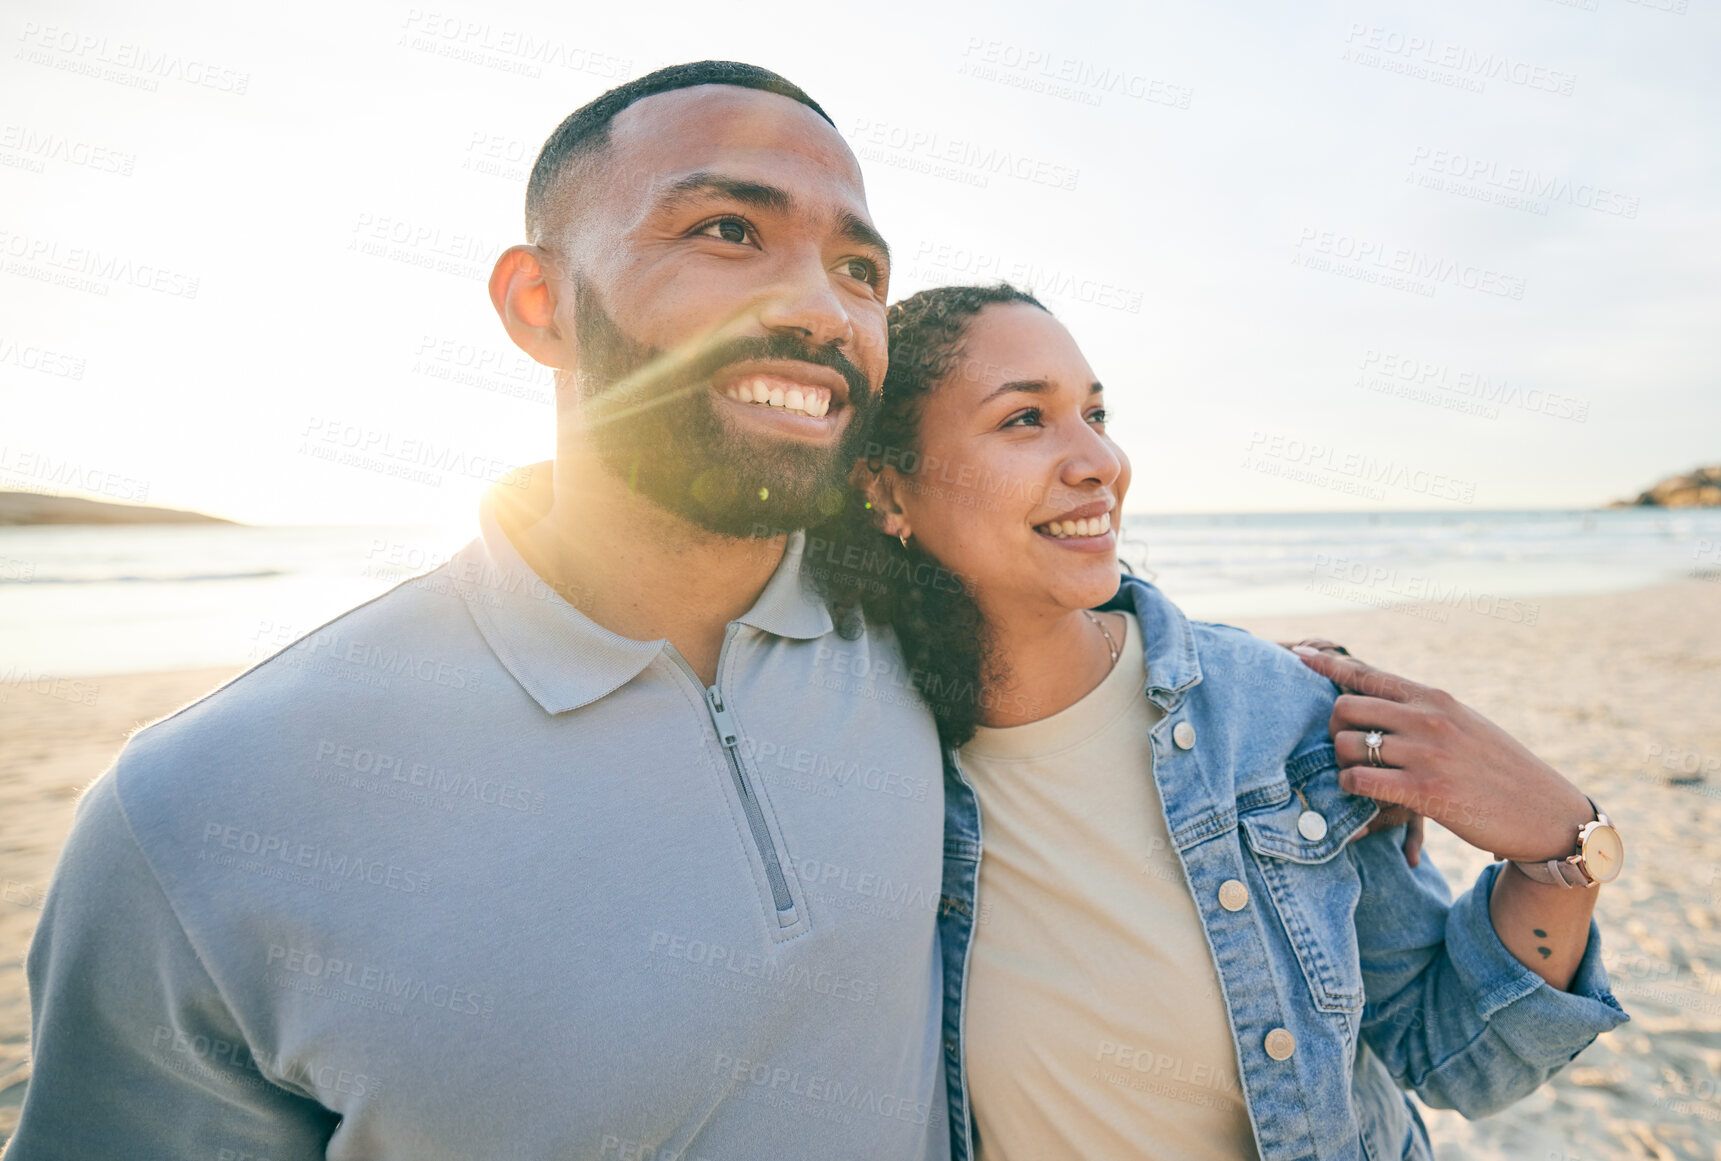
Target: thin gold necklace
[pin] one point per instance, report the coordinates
(1100, 625)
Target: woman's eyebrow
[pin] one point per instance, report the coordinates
(1032, 387)
(1025, 386)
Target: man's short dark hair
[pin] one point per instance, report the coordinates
(587, 130)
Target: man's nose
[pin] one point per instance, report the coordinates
(806, 303)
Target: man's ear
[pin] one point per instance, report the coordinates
(524, 295)
(883, 490)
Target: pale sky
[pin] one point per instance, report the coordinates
(1356, 256)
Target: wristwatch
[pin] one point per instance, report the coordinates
(1599, 859)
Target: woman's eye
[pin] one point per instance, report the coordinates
(1098, 415)
(1028, 418)
(728, 229)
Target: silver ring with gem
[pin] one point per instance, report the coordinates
(1372, 740)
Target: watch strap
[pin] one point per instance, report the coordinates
(1554, 873)
(1569, 871)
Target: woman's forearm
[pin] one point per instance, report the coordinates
(1401, 742)
(1546, 928)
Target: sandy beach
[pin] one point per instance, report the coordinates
(1619, 691)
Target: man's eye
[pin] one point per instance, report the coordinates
(860, 268)
(728, 229)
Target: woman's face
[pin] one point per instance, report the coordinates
(1018, 488)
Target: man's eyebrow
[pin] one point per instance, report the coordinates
(853, 229)
(850, 227)
(748, 193)
(1031, 387)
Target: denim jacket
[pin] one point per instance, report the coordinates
(1382, 982)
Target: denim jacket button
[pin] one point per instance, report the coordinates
(1311, 826)
(1184, 735)
(1233, 895)
(1280, 1044)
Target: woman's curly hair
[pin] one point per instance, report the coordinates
(869, 577)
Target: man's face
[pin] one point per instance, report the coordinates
(726, 292)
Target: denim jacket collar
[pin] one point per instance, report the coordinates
(1169, 645)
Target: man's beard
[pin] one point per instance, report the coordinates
(660, 431)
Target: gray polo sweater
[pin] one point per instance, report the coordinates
(464, 875)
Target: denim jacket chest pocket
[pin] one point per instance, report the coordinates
(1314, 887)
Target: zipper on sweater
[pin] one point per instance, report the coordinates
(731, 737)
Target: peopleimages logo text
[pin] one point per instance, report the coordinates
(1456, 59)
(1471, 384)
(1361, 466)
(931, 146)
(335, 973)
(1411, 263)
(1520, 179)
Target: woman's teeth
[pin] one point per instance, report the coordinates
(813, 401)
(1063, 529)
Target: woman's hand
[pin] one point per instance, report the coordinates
(1446, 760)
(1390, 815)
(1441, 758)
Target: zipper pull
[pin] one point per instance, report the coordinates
(720, 717)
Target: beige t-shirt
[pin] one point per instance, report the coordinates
(1095, 1024)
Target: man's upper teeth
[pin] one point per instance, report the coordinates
(1092, 526)
(814, 401)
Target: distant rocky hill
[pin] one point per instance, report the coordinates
(1699, 488)
(35, 508)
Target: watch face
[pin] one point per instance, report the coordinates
(1604, 854)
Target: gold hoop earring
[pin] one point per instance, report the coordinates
(902, 539)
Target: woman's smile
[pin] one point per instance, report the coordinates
(1084, 529)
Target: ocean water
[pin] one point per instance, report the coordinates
(89, 600)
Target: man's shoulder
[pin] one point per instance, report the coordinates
(389, 657)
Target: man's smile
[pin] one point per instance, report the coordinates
(775, 391)
(809, 396)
